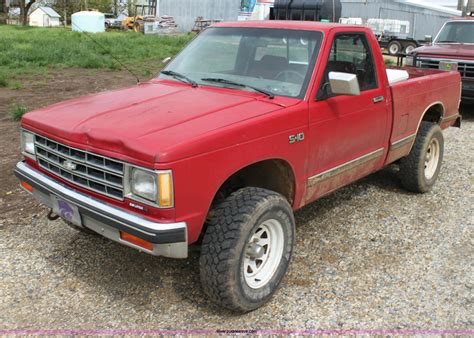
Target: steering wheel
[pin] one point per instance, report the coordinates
(287, 75)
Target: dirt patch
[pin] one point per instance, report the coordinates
(38, 91)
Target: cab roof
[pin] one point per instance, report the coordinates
(301, 25)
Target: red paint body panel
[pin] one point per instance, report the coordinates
(413, 97)
(206, 134)
(343, 128)
(160, 121)
(455, 51)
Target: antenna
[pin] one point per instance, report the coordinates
(107, 51)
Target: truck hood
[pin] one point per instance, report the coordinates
(150, 121)
(451, 50)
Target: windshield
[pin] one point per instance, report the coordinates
(272, 61)
(457, 32)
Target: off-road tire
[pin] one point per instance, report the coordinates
(412, 167)
(229, 229)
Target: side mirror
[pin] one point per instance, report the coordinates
(344, 84)
(166, 60)
(429, 38)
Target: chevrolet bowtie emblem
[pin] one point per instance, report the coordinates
(69, 165)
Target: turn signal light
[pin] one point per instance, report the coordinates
(166, 190)
(135, 240)
(26, 186)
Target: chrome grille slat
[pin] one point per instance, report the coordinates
(94, 172)
(465, 68)
(76, 159)
(85, 176)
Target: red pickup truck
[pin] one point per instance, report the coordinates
(452, 49)
(250, 122)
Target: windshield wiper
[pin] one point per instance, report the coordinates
(243, 85)
(449, 41)
(180, 76)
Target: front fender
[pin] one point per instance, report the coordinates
(197, 179)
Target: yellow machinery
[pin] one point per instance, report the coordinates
(133, 22)
(147, 12)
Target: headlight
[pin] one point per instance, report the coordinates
(143, 184)
(27, 143)
(150, 187)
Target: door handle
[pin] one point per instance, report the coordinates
(378, 99)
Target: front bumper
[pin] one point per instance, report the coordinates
(168, 239)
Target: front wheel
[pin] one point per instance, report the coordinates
(246, 248)
(420, 169)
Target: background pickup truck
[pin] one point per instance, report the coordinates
(452, 49)
(250, 122)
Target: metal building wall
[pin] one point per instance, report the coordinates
(422, 21)
(185, 12)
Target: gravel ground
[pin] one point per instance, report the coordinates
(370, 256)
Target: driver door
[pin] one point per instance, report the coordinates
(347, 133)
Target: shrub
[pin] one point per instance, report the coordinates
(17, 111)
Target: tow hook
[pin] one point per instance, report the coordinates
(52, 216)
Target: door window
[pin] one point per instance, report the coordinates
(350, 53)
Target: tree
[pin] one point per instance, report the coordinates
(470, 7)
(465, 7)
(3, 11)
(25, 6)
(66, 8)
(104, 6)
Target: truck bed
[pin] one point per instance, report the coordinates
(411, 98)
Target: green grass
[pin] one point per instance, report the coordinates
(3, 81)
(389, 62)
(17, 111)
(28, 50)
(15, 85)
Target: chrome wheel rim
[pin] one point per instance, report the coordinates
(409, 49)
(394, 49)
(432, 158)
(263, 253)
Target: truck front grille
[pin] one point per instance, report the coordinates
(94, 172)
(465, 68)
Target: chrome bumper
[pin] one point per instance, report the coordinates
(168, 239)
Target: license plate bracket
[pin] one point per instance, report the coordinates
(448, 66)
(66, 210)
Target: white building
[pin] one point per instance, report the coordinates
(44, 17)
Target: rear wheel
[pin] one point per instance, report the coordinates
(420, 169)
(246, 248)
(410, 48)
(394, 48)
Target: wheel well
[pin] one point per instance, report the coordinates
(275, 175)
(434, 114)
